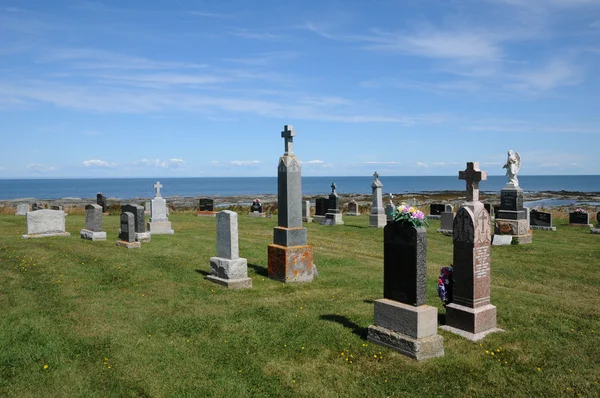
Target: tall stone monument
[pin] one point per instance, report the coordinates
(101, 201)
(159, 223)
(290, 258)
(139, 222)
(377, 219)
(333, 215)
(127, 232)
(228, 268)
(93, 223)
(471, 314)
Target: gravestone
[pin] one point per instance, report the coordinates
(597, 229)
(206, 207)
(446, 223)
(321, 205)
(127, 234)
(57, 207)
(256, 210)
(148, 207)
(306, 211)
(101, 200)
(36, 207)
(435, 210)
(139, 222)
(389, 208)
(511, 218)
(377, 218)
(22, 209)
(227, 268)
(159, 222)
(541, 220)
(403, 321)
(352, 209)
(333, 215)
(93, 223)
(578, 218)
(471, 314)
(45, 223)
(290, 258)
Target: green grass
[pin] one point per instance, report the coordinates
(80, 307)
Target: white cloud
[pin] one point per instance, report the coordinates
(98, 163)
(40, 167)
(421, 164)
(244, 163)
(173, 163)
(550, 164)
(315, 162)
(215, 162)
(377, 162)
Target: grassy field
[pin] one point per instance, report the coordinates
(90, 319)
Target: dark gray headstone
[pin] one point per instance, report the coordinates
(101, 200)
(333, 204)
(404, 263)
(579, 218)
(540, 218)
(138, 213)
(127, 227)
(93, 218)
(352, 207)
(321, 205)
(436, 209)
(206, 204)
(256, 206)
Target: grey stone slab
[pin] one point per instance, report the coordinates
(227, 235)
(45, 222)
(502, 240)
(306, 211)
(419, 349)
(352, 209)
(289, 192)
(289, 237)
(229, 269)
(543, 228)
(243, 283)
(160, 228)
(595, 230)
(127, 232)
(414, 321)
(138, 214)
(92, 235)
(93, 217)
(48, 235)
(446, 221)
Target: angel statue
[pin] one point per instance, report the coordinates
(512, 166)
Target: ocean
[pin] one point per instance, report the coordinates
(129, 188)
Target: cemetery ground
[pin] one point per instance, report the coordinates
(82, 318)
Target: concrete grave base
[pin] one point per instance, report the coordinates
(91, 235)
(291, 263)
(243, 283)
(48, 235)
(538, 227)
(474, 321)
(447, 232)
(206, 214)
(416, 322)
(225, 268)
(256, 214)
(419, 349)
(129, 245)
(143, 236)
(522, 239)
(160, 228)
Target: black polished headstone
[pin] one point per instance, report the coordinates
(256, 206)
(540, 218)
(127, 227)
(206, 204)
(101, 200)
(333, 204)
(579, 218)
(436, 209)
(321, 206)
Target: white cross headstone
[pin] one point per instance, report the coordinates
(157, 186)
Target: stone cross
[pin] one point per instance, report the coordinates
(472, 175)
(333, 187)
(376, 175)
(157, 186)
(288, 134)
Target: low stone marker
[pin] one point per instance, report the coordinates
(45, 223)
(256, 210)
(206, 208)
(353, 209)
(139, 222)
(502, 240)
(579, 218)
(446, 223)
(159, 223)
(228, 268)
(541, 220)
(127, 232)
(93, 223)
(22, 209)
(490, 209)
(306, 211)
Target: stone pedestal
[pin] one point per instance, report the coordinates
(232, 274)
(291, 263)
(408, 329)
(160, 228)
(512, 218)
(471, 323)
(92, 235)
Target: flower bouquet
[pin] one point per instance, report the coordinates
(409, 214)
(580, 210)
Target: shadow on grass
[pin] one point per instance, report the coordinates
(347, 323)
(201, 271)
(369, 301)
(356, 226)
(262, 271)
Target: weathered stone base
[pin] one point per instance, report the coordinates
(471, 320)
(91, 235)
(206, 214)
(377, 220)
(447, 232)
(419, 349)
(143, 236)
(129, 245)
(416, 322)
(595, 230)
(225, 268)
(256, 214)
(291, 263)
(333, 219)
(470, 336)
(581, 225)
(160, 228)
(244, 283)
(49, 235)
(307, 219)
(510, 227)
(539, 227)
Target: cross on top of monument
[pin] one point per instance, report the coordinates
(472, 175)
(333, 187)
(157, 186)
(288, 134)
(376, 175)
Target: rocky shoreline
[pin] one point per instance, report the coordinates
(420, 198)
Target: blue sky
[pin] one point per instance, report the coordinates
(203, 88)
